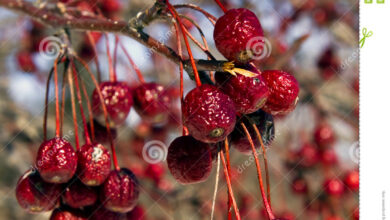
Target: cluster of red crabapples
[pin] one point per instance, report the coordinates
(238, 105)
(319, 154)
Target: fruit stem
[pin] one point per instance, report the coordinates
(78, 93)
(176, 16)
(76, 130)
(63, 91)
(95, 58)
(229, 185)
(265, 162)
(90, 114)
(209, 16)
(115, 52)
(111, 68)
(230, 175)
(216, 186)
(56, 94)
(265, 200)
(221, 6)
(47, 104)
(135, 67)
(114, 156)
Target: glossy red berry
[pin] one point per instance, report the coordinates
(283, 92)
(237, 34)
(120, 191)
(78, 195)
(66, 213)
(264, 123)
(118, 99)
(189, 160)
(56, 160)
(94, 164)
(299, 185)
(35, 195)
(152, 102)
(355, 214)
(334, 218)
(334, 187)
(351, 179)
(249, 94)
(324, 135)
(208, 114)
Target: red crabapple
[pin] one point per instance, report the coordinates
(208, 114)
(56, 160)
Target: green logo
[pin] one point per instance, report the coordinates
(377, 1)
(365, 35)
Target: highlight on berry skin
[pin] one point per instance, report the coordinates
(165, 109)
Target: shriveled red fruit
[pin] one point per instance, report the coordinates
(237, 35)
(283, 92)
(78, 195)
(36, 195)
(152, 102)
(324, 135)
(94, 164)
(308, 155)
(351, 179)
(264, 123)
(189, 160)
(299, 185)
(209, 114)
(120, 191)
(118, 99)
(66, 213)
(56, 160)
(249, 94)
(334, 187)
(25, 61)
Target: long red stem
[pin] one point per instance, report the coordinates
(63, 90)
(265, 200)
(110, 66)
(265, 162)
(221, 6)
(115, 52)
(46, 105)
(114, 156)
(230, 175)
(176, 16)
(72, 98)
(90, 113)
(229, 185)
(95, 58)
(78, 93)
(57, 100)
(135, 67)
(197, 8)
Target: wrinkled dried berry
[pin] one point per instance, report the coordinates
(208, 114)
(189, 160)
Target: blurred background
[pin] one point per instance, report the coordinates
(313, 159)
